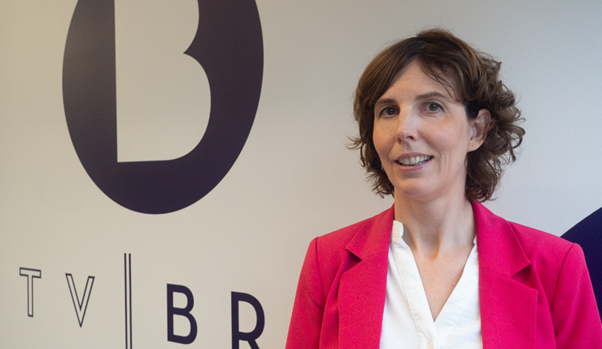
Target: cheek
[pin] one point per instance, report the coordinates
(380, 142)
(377, 141)
(452, 139)
(451, 146)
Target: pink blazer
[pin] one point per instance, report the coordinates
(534, 288)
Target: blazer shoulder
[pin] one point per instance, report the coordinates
(339, 239)
(551, 257)
(501, 236)
(537, 243)
(509, 247)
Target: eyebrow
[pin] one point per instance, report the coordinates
(424, 96)
(384, 101)
(431, 95)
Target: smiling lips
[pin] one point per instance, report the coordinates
(414, 160)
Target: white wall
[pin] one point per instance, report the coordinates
(293, 180)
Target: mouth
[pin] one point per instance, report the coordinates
(413, 161)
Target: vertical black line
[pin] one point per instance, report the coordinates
(125, 286)
(130, 287)
(127, 280)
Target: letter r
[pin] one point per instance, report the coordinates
(249, 337)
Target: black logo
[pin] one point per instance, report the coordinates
(229, 47)
(185, 314)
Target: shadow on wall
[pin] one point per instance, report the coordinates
(588, 234)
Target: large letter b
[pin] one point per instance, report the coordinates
(229, 47)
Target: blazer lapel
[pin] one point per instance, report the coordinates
(363, 285)
(508, 307)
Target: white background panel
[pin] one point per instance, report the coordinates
(294, 179)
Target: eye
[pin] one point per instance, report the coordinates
(433, 107)
(388, 111)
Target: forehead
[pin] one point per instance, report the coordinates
(412, 81)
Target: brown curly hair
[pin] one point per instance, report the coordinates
(471, 77)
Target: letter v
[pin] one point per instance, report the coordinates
(80, 306)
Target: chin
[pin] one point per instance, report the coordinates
(418, 193)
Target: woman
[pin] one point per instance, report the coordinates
(438, 270)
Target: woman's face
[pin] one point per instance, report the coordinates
(422, 136)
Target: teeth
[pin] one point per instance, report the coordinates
(415, 160)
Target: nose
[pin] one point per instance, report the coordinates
(406, 126)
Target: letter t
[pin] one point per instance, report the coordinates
(31, 274)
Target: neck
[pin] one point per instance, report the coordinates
(437, 226)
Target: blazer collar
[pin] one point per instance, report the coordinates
(363, 286)
(495, 238)
(508, 307)
(497, 242)
(373, 236)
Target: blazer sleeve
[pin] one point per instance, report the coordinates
(576, 318)
(306, 321)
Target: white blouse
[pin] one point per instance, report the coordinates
(407, 319)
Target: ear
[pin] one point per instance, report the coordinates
(479, 126)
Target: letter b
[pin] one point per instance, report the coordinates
(229, 47)
(171, 311)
